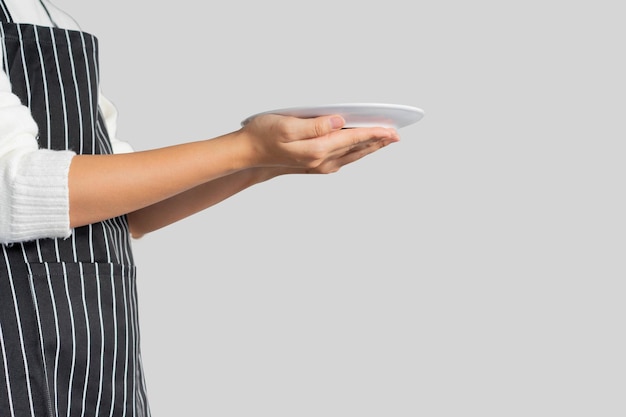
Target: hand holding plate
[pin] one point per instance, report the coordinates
(310, 145)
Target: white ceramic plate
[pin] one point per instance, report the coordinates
(356, 114)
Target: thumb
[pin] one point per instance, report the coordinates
(324, 125)
(336, 122)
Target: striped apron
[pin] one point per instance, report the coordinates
(69, 335)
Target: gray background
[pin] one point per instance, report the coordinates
(476, 268)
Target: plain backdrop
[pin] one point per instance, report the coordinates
(476, 268)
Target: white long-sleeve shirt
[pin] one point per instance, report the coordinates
(34, 195)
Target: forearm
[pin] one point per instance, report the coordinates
(105, 186)
(192, 201)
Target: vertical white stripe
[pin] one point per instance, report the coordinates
(39, 255)
(45, 87)
(110, 232)
(31, 283)
(128, 244)
(73, 327)
(19, 329)
(6, 372)
(76, 89)
(58, 341)
(79, 109)
(142, 391)
(84, 300)
(103, 135)
(57, 252)
(47, 101)
(93, 135)
(99, 136)
(24, 67)
(119, 236)
(115, 336)
(74, 252)
(91, 253)
(125, 300)
(61, 87)
(105, 236)
(5, 58)
(101, 343)
(94, 51)
(134, 332)
(124, 241)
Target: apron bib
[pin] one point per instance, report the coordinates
(69, 331)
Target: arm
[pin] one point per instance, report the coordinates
(160, 186)
(192, 201)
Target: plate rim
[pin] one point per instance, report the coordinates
(351, 106)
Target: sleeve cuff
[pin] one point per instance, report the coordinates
(40, 199)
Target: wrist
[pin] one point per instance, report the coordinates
(245, 153)
(262, 174)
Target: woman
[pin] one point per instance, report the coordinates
(70, 197)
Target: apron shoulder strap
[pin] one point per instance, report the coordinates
(48, 13)
(5, 16)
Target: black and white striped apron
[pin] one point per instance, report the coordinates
(69, 335)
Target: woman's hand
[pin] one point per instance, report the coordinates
(317, 145)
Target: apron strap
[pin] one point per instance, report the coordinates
(5, 16)
(49, 15)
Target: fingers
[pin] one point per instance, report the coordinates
(353, 155)
(328, 153)
(362, 151)
(348, 140)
